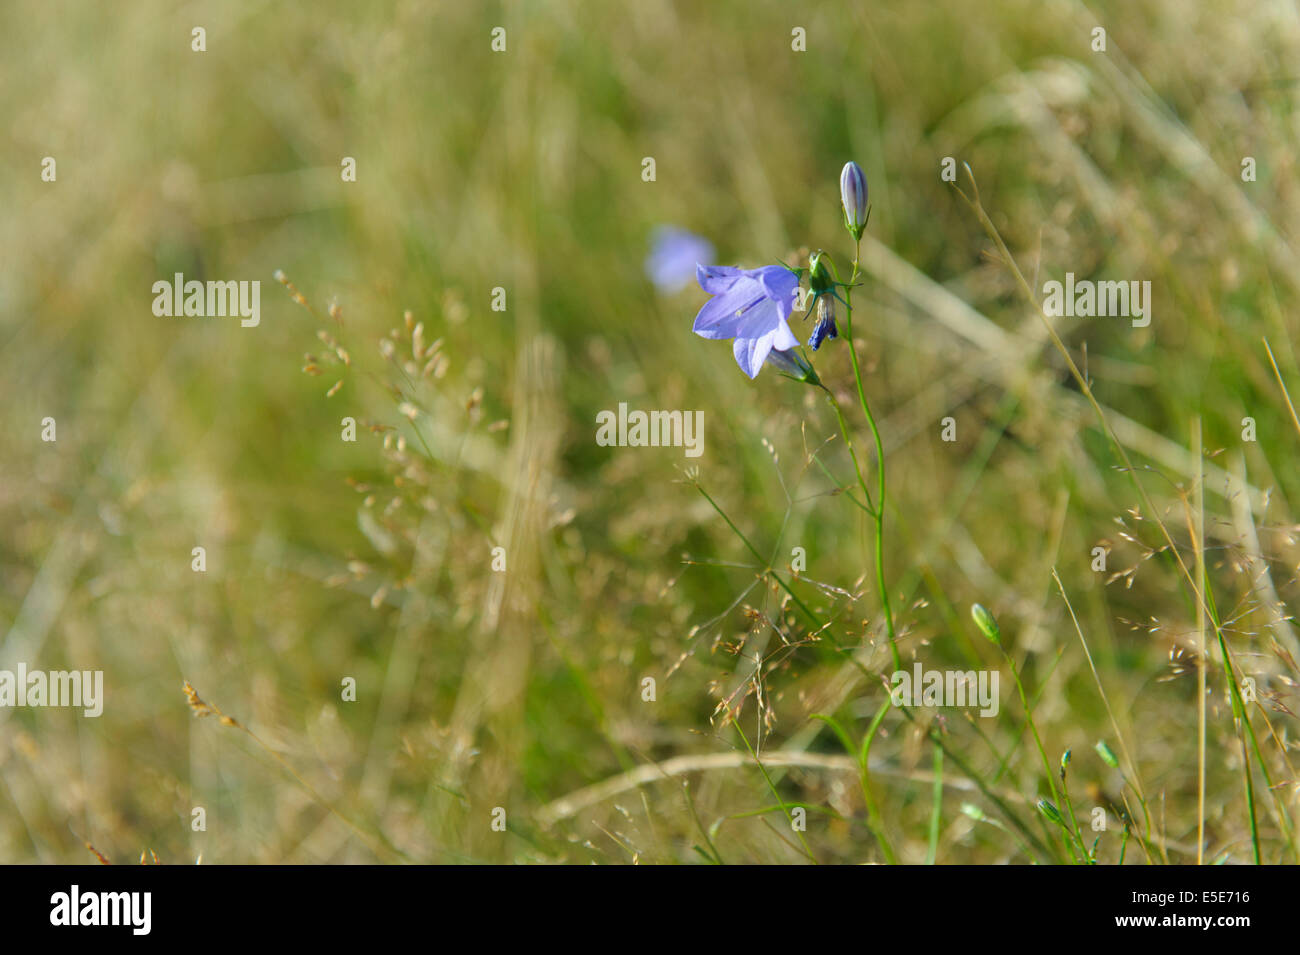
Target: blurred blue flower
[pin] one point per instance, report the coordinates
(674, 254)
(750, 306)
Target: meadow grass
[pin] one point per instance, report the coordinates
(1169, 676)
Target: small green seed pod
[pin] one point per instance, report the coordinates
(1051, 812)
(1106, 755)
(988, 626)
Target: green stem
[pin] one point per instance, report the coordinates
(936, 807)
(880, 463)
(933, 734)
(775, 792)
(1033, 727)
(848, 442)
(875, 820)
(1074, 821)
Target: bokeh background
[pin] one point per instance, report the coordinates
(476, 428)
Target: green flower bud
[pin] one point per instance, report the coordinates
(1050, 812)
(1065, 761)
(988, 626)
(1106, 755)
(820, 279)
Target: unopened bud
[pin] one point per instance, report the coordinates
(1106, 755)
(1050, 812)
(820, 279)
(988, 626)
(792, 365)
(853, 194)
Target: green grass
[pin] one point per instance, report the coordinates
(524, 689)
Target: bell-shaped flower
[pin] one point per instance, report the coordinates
(750, 306)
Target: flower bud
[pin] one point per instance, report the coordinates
(853, 194)
(1051, 812)
(820, 280)
(1107, 756)
(792, 364)
(988, 626)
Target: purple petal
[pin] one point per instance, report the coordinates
(783, 339)
(764, 318)
(853, 193)
(729, 315)
(779, 284)
(760, 318)
(751, 353)
(717, 279)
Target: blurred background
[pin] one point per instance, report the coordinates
(329, 560)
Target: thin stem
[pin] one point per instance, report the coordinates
(1119, 736)
(1033, 728)
(772, 787)
(848, 442)
(932, 733)
(1074, 820)
(1204, 595)
(875, 820)
(936, 807)
(1196, 524)
(880, 463)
